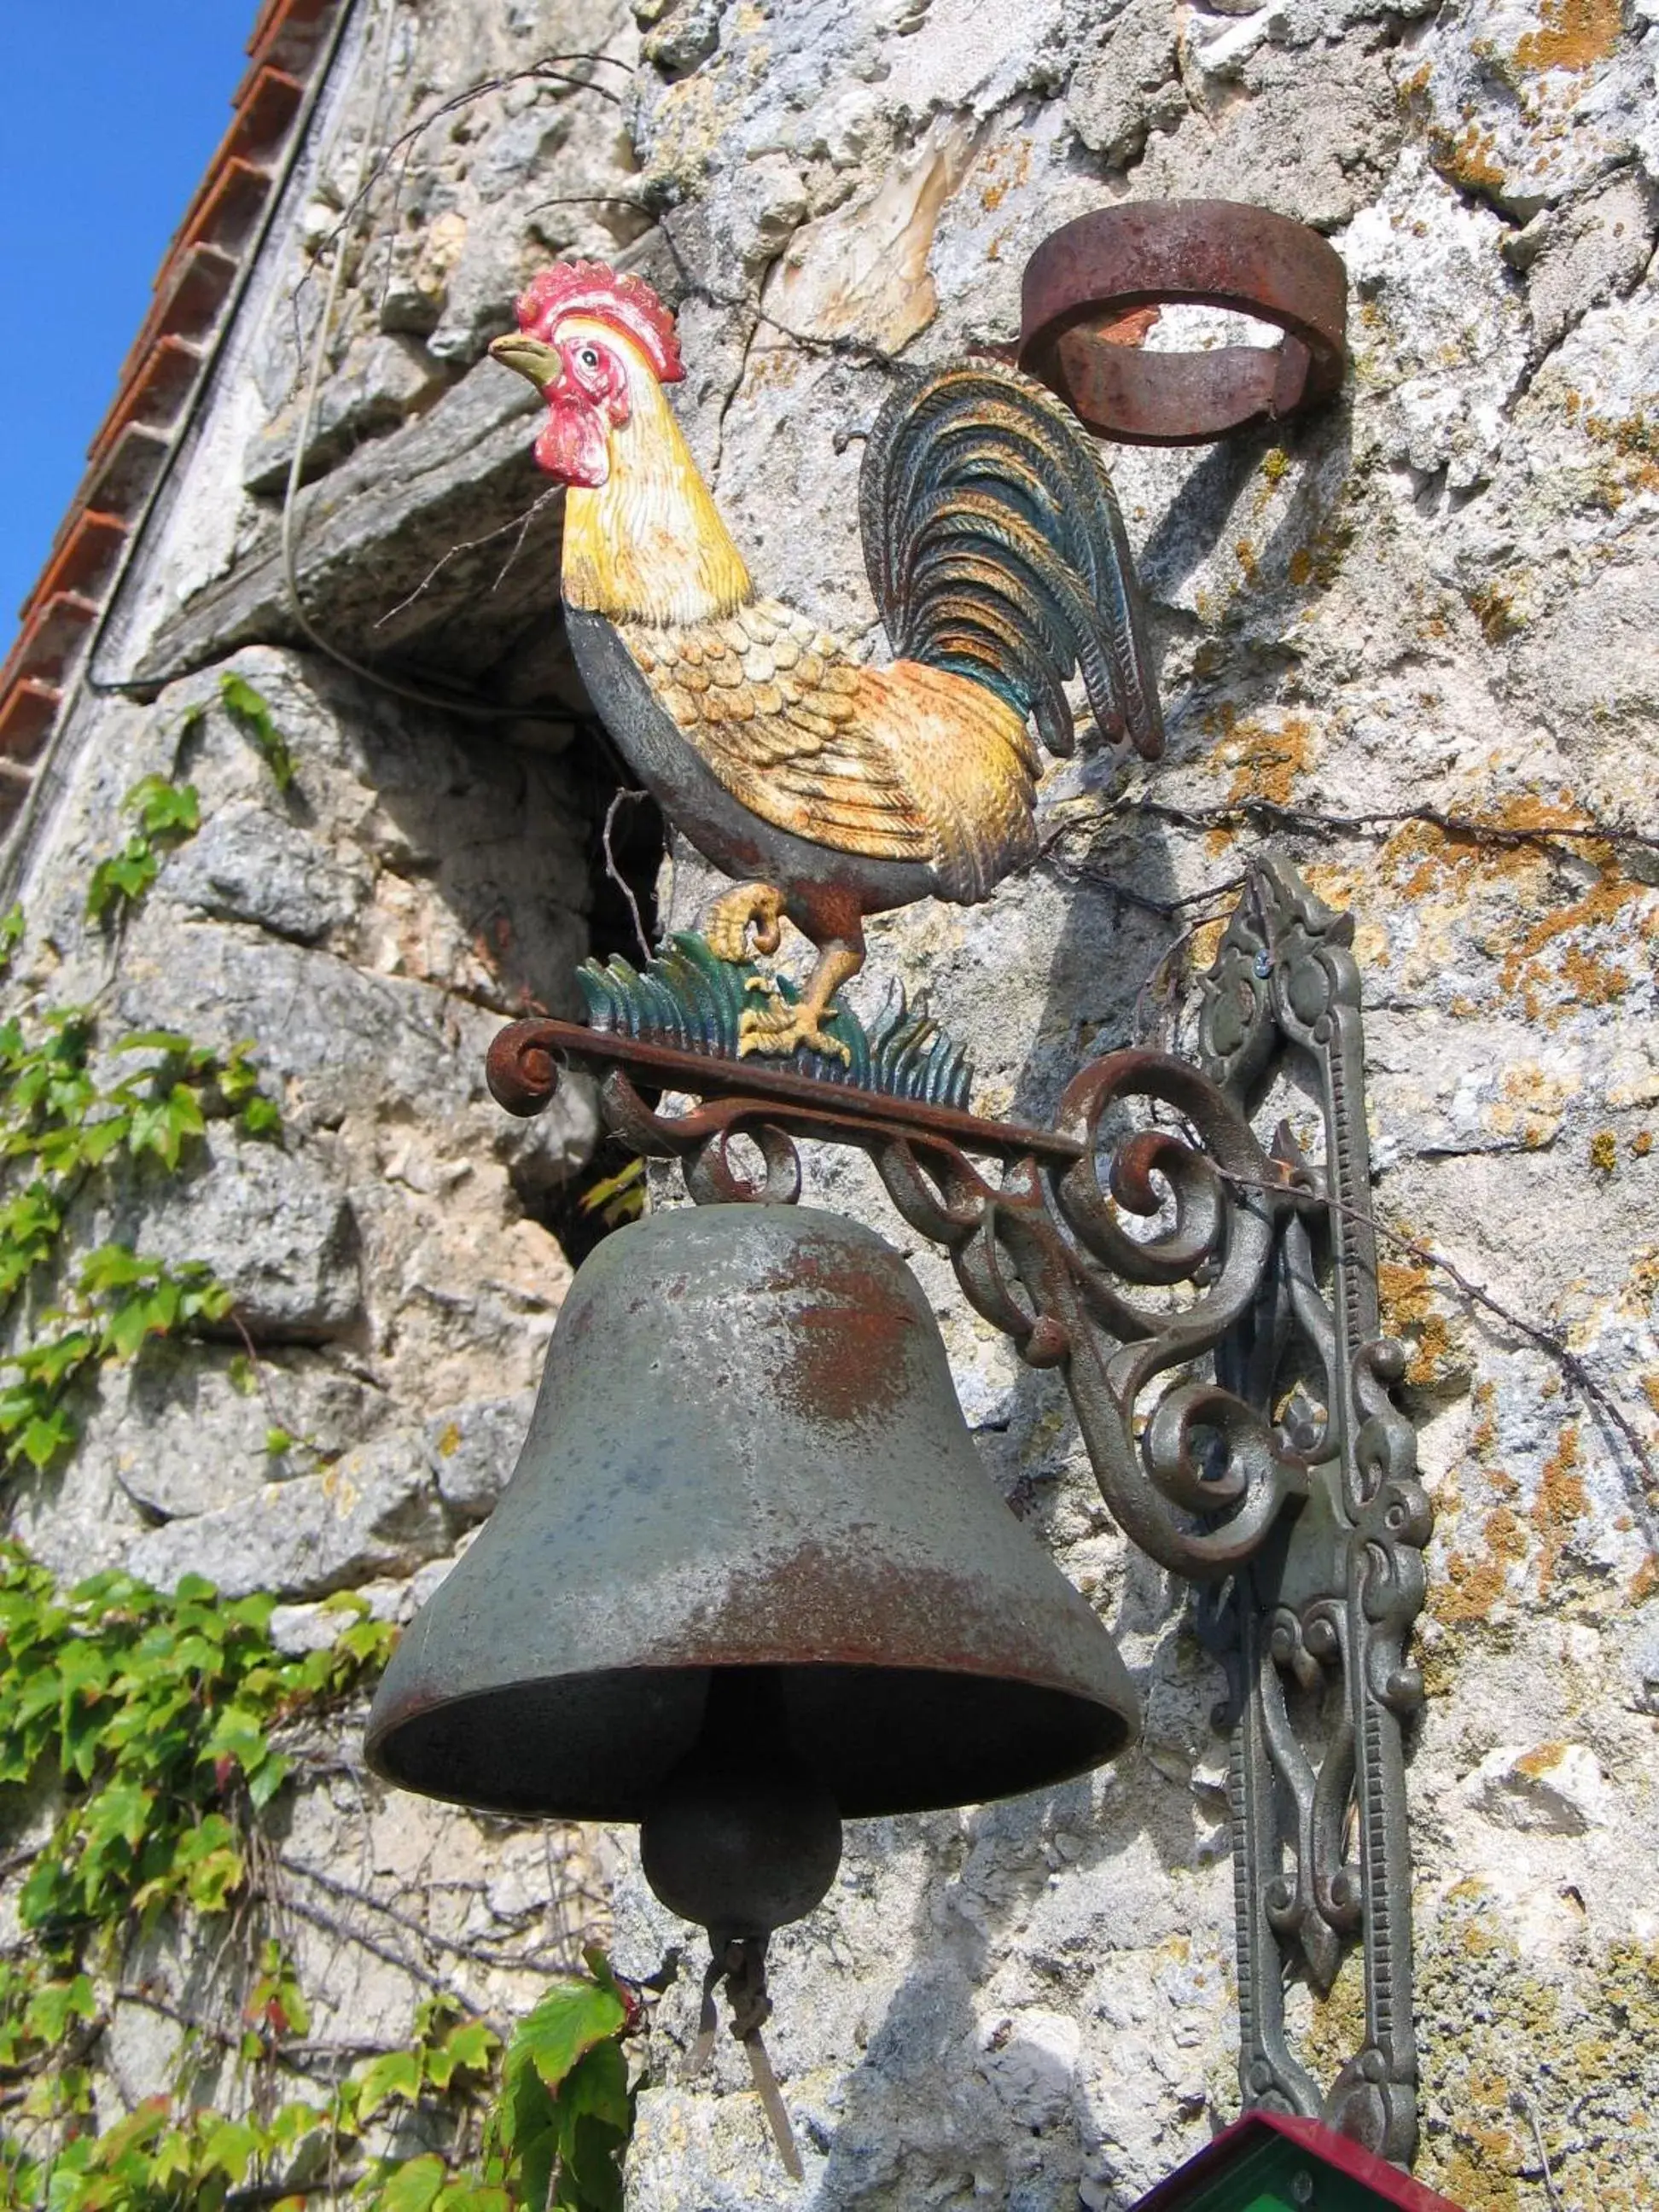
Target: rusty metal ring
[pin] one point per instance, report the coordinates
(1215, 254)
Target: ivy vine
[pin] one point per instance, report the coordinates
(70, 1109)
(160, 1724)
(167, 814)
(161, 1718)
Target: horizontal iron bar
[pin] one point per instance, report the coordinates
(523, 1086)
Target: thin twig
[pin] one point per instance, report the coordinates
(1089, 871)
(478, 1953)
(297, 2051)
(699, 289)
(278, 2193)
(1521, 2105)
(619, 799)
(1254, 811)
(337, 238)
(331, 1926)
(638, 201)
(542, 72)
(1547, 1340)
(514, 522)
(1159, 989)
(273, 1413)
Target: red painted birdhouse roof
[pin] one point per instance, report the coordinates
(1194, 2184)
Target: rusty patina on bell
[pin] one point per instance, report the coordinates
(749, 1559)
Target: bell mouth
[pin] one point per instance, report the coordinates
(881, 1740)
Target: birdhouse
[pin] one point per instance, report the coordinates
(1269, 2162)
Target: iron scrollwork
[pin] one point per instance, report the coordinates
(1329, 1608)
(1245, 1438)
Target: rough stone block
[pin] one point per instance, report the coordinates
(1596, 251)
(186, 1430)
(1113, 101)
(273, 1224)
(471, 1449)
(1558, 1788)
(247, 864)
(375, 1511)
(382, 380)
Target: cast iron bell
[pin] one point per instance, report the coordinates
(748, 1578)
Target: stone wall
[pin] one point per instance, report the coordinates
(1431, 604)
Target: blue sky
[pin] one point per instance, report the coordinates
(112, 110)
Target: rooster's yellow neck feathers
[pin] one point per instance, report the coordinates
(648, 545)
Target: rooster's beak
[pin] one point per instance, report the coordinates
(540, 363)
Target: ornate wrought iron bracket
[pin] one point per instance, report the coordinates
(1232, 1387)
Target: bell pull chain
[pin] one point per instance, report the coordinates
(740, 1961)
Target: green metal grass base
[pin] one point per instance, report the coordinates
(688, 997)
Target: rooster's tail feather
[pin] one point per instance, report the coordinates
(995, 548)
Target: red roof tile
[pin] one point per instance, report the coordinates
(83, 558)
(130, 449)
(153, 393)
(28, 710)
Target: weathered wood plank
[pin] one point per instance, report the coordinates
(402, 547)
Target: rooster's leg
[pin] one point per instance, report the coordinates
(780, 1028)
(756, 906)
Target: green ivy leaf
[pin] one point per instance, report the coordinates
(52, 2008)
(120, 1811)
(264, 1783)
(237, 1734)
(38, 1901)
(168, 1041)
(394, 2074)
(252, 715)
(294, 2123)
(11, 936)
(112, 1268)
(570, 2019)
(161, 1125)
(212, 1883)
(230, 2149)
(122, 879)
(414, 2186)
(472, 2046)
(261, 1116)
(106, 1135)
(165, 809)
(590, 2178)
(596, 2086)
(45, 1437)
(526, 2132)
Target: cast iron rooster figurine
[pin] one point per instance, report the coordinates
(833, 790)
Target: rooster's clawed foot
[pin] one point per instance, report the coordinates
(756, 906)
(782, 1028)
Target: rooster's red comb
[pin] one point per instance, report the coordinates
(591, 288)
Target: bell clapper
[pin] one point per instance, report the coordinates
(742, 1839)
(740, 1962)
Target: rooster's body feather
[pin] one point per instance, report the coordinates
(901, 763)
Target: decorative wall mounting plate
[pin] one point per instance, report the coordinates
(1091, 273)
(1247, 1440)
